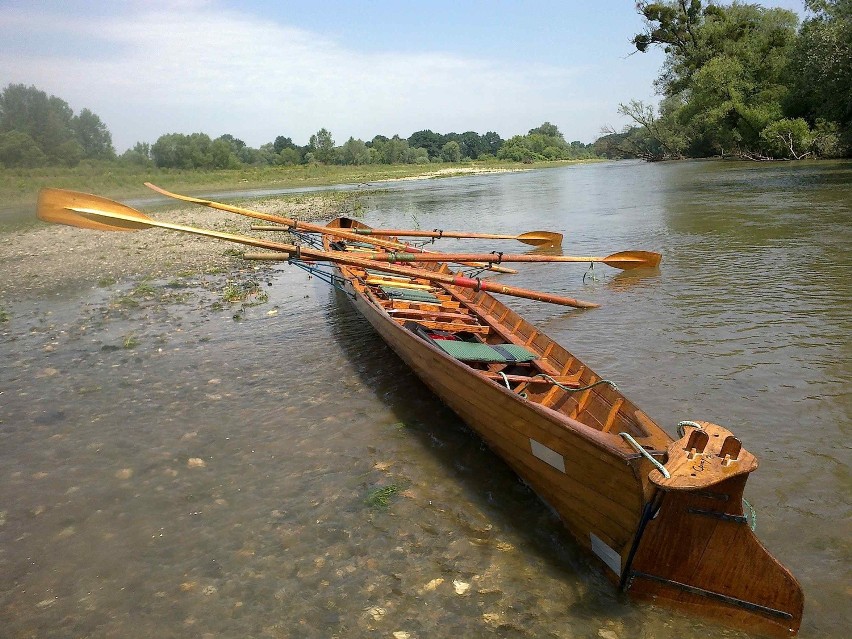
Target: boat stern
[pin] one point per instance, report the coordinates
(696, 549)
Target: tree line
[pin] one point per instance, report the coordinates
(743, 81)
(37, 129)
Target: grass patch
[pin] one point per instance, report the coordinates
(4, 316)
(381, 497)
(243, 292)
(130, 341)
(143, 289)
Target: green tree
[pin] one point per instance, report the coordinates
(354, 152)
(176, 150)
(282, 143)
(451, 152)
(139, 155)
(93, 136)
(518, 149)
(46, 119)
(491, 142)
(725, 74)
(388, 150)
(788, 138)
(289, 156)
(428, 140)
(19, 150)
(820, 68)
(321, 146)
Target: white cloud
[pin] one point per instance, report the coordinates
(194, 67)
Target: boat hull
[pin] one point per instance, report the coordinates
(664, 540)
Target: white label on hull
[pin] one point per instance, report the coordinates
(548, 455)
(606, 554)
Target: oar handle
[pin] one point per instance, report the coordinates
(494, 287)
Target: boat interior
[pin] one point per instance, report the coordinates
(499, 344)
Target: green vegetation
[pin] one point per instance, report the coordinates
(743, 81)
(380, 497)
(38, 130)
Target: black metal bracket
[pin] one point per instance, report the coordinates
(740, 519)
(694, 590)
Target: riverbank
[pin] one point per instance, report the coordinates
(45, 260)
(19, 187)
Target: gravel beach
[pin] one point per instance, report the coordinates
(46, 259)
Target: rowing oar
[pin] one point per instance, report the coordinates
(84, 210)
(625, 260)
(535, 238)
(295, 225)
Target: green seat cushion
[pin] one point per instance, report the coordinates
(410, 294)
(477, 352)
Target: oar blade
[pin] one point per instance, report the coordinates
(61, 206)
(627, 260)
(540, 238)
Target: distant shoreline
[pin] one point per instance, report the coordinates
(19, 187)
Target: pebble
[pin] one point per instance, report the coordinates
(195, 462)
(124, 473)
(432, 585)
(376, 612)
(460, 587)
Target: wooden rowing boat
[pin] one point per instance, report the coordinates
(664, 517)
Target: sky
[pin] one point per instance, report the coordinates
(257, 69)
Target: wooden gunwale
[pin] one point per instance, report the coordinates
(598, 477)
(656, 438)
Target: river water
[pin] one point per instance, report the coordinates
(169, 471)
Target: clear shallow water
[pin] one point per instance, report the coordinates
(215, 478)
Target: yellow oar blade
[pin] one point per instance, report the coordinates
(540, 238)
(60, 206)
(627, 260)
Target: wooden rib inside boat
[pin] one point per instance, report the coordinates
(664, 517)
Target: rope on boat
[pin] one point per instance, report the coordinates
(571, 389)
(326, 276)
(645, 454)
(505, 380)
(687, 422)
(750, 514)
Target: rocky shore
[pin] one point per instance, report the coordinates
(47, 259)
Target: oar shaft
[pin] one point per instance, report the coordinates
(344, 234)
(135, 220)
(624, 260)
(437, 233)
(479, 257)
